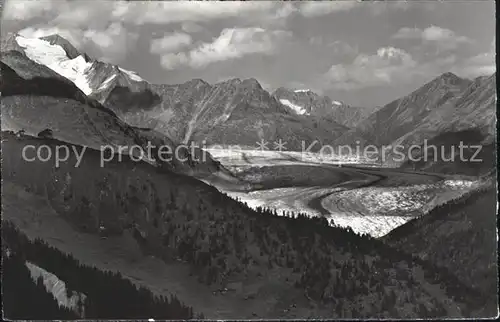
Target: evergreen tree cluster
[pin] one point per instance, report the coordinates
(24, 299)
(108, 294)
(221, 241)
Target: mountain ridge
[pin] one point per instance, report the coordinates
(239, 111)
(192, 111)
(35, 99)
(402, 115)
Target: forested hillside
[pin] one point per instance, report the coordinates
(222, 241)
(461, 237)
(23, 298)
(108, 295)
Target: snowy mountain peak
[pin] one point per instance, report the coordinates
(306, 102)
(55, 57)
(92, 77)
(70, 50)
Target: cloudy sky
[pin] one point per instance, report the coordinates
(362, 53)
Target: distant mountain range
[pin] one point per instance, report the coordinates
(444, 112)
(306, 102)
(231, 112)
(241, 112)
(470, 119)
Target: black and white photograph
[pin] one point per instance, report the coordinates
(248, 160)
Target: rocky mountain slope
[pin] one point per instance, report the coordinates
(433, 121)
(473, 109)
(351, 116)
(99, 80)
(405, 114)
(37, 99)
(232, 112)
(308, 103)
(470, 121)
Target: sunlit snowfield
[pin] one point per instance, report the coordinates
(374, 210)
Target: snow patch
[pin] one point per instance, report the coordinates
(337, 103)
(55, 58)
(132, 75)
(58, 289)
(107, 81)
(296, 108)
(302, 90)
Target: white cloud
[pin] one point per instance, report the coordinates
(248, 13)
(442, 38)
(81, 13)
(320, 8)
(191, 27)
(408, 33)
(341, 48)
(232, 43)
(317, 40)
(61, 13)
(479, 65)
(26, 9)
(73, 36)
(388, 65)
(170, 42)
(74, 15)
(103, 25)
(195, 11)
(285, 10)
(104, 38)
(113, 42)
(382, 7)
(338, 48)
(81, 22)
(172, 61)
